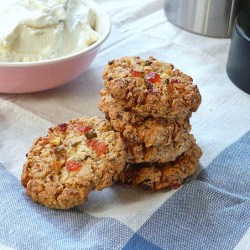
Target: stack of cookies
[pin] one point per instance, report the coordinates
(145, 140)
(150, 103)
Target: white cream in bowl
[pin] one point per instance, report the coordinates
(36, 30)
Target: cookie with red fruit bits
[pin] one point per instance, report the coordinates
(74, 158)
(138, 129)
(157, 176)
(151, 87)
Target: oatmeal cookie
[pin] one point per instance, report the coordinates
(73, 159)
(148, 130)
(138, 152)
(114, 110)
(151, 87)
(156, 176)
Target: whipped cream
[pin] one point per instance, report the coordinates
(34, 30)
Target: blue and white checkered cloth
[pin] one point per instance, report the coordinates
(210, 212)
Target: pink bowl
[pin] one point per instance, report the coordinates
(26, 77)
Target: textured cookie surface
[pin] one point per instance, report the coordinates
(138, 152)
(115, 110)
(151, 87)
(72, 160)
(138, 129)
(156, 176)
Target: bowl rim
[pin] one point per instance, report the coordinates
(97, 8)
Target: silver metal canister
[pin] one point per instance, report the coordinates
(207, 17)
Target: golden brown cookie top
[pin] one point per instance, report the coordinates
(73, 159)
(151, 87)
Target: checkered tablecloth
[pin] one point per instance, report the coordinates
(210, 211)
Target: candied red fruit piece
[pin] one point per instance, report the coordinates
(63, 126)
(84, 129)
(73, 165)
(175, 80)
(153, 77)
(135, 73)
(98, 146)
